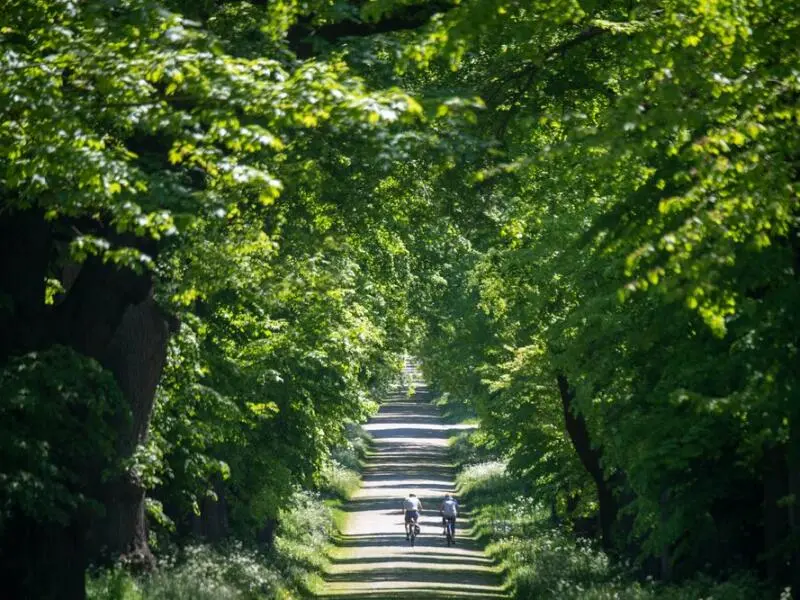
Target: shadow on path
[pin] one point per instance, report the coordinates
(372, 558)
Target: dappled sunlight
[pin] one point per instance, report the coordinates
(372, 558)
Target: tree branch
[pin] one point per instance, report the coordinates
(303, 37)
(531, 68)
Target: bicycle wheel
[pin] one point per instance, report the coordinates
(450, 528)
(412, 534)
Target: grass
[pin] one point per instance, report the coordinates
(542, 561)
(339, 481)
(203, 572)
(234, 571)
(454, 410)
(341, 476)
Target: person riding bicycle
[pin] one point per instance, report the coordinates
(449, 512)
(411, 509)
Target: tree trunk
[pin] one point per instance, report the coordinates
(136, 357)
(42, 561)
(776, 522)
(107, 314)
(25, 248)
(266, 535)
(212, 522)
(590, 458)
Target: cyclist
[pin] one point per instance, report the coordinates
(411, 509)
(449, 512)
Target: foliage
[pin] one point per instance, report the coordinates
(354, 448)
(469, 447)
(232, 571)
(633, 231)
(552, 565)
(339, 481)
(542, 560)
(340, 476)
(56, 435)
(573, 212)
(188, 144)
(488, 480)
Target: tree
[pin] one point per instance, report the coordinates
(136, 142)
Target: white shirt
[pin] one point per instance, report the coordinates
(412, 504)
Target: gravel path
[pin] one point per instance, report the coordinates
(373, 559)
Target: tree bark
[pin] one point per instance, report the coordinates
(107, 314)
(266, 534)
(776, 521)
(136, 356)
(590, 458)
(212, 522)
(25, 248)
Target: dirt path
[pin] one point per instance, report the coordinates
(373, 559)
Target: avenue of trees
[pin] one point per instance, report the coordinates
(223, 222)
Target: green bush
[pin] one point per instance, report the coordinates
(340, 476)
(339, 481)
(544, 562)
(306, 526)
(112, 584)
(200, 572)
(233, 571)
(487, 482)
(468, 447)
(60, 414)
(354, 449)
(455, 410)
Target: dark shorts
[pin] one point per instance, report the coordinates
(412, 515)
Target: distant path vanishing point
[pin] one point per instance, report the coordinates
(373, 559)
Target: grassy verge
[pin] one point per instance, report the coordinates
(341, 476)
(290, 570)
(545, 562)
(454, 410)
(234, 571)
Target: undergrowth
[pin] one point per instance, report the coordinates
(455, 410)
(234, 571)
(543, 561)
(352, 452)
(340, 476)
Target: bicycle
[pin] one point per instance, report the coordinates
(412, 530)
(450, 530)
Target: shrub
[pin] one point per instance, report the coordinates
(468, 448)
(455, 410)
(305, 528)
(340, 476)
(233, 571)
(354, 449)
(112, 584)
(545, 562)
(487, 482)
(339, 481)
